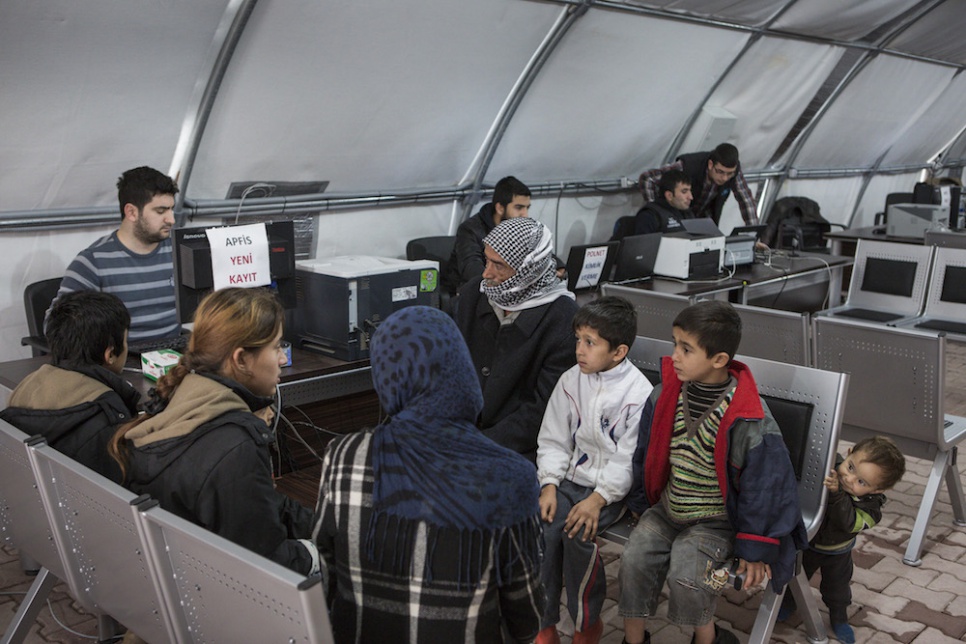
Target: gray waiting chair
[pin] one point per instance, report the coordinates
(889, 282)
(897, 389)
(808, 405)
(25, 526)
(97, 529)
(655, 311)
(226, 593)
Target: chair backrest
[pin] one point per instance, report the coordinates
(947, 289)
(226, 593)
(435, 248)
(808, 405)
(655, 311)
(624, 227)
(889, 276)
(897, 383)
(23, 518)
(96, 526)
(775, 335)
(36, 300)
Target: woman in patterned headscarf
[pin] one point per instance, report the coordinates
(429, 531)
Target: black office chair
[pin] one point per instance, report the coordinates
(438, 249)
(36, 300)
(624, 227)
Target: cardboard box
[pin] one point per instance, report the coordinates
(155, 364)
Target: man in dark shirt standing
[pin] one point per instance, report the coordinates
(511, 199)
(664, 215)
(714, 175)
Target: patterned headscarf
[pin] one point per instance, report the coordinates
(527, 246)
(431, 464)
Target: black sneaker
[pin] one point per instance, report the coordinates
(722, 636)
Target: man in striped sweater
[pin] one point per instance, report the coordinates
(134, 262)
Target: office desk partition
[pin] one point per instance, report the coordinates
(844, 241)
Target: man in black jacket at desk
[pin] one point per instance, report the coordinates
(511, 199)
(664, 214)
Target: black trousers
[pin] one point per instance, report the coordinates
(836, 584)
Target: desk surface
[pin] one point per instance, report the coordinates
(306, 366)
(867, 232)
(748, 275)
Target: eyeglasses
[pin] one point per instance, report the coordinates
(724, 172)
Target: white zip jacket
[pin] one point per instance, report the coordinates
(589, 431)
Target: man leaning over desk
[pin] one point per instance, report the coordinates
(714, 176)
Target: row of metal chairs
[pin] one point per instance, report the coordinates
(127, 560)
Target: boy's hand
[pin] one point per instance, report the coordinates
(755, 572)
(832, 481)
(585, 515)
(548, 502)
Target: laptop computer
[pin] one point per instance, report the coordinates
(702, 226)
(590, 264)
(748, 231)
(636, 257)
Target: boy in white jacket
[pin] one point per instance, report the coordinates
(584, 450)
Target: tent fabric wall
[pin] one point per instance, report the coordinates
(840, 102)
(90, 89)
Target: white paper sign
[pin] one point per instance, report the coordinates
(239, 256)
(590, 272)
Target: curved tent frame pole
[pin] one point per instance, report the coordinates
(223, 44)
(564, 22)
(678, 141)
(868, 56)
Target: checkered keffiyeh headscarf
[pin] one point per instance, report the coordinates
(527, 246)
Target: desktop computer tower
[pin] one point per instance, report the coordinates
(343, 300)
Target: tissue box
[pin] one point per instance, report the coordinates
(155, 364)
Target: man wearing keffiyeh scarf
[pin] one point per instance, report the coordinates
(517, 325)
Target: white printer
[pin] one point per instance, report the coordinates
(342, 300)
(687, 255)
(914, 219)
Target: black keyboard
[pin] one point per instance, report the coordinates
(943, 325)
(176, 343)
(866, 314)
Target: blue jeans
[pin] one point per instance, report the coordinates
(575, 560)
(690, 556)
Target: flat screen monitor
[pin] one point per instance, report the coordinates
(304, 222)
(954, 285)
(636, 257)
(193, 273)
(889, 276)
(590, 264)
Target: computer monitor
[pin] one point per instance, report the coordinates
(304, 222)
(889, 276)
(590, 264)
(194, 277)
(636, 257)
